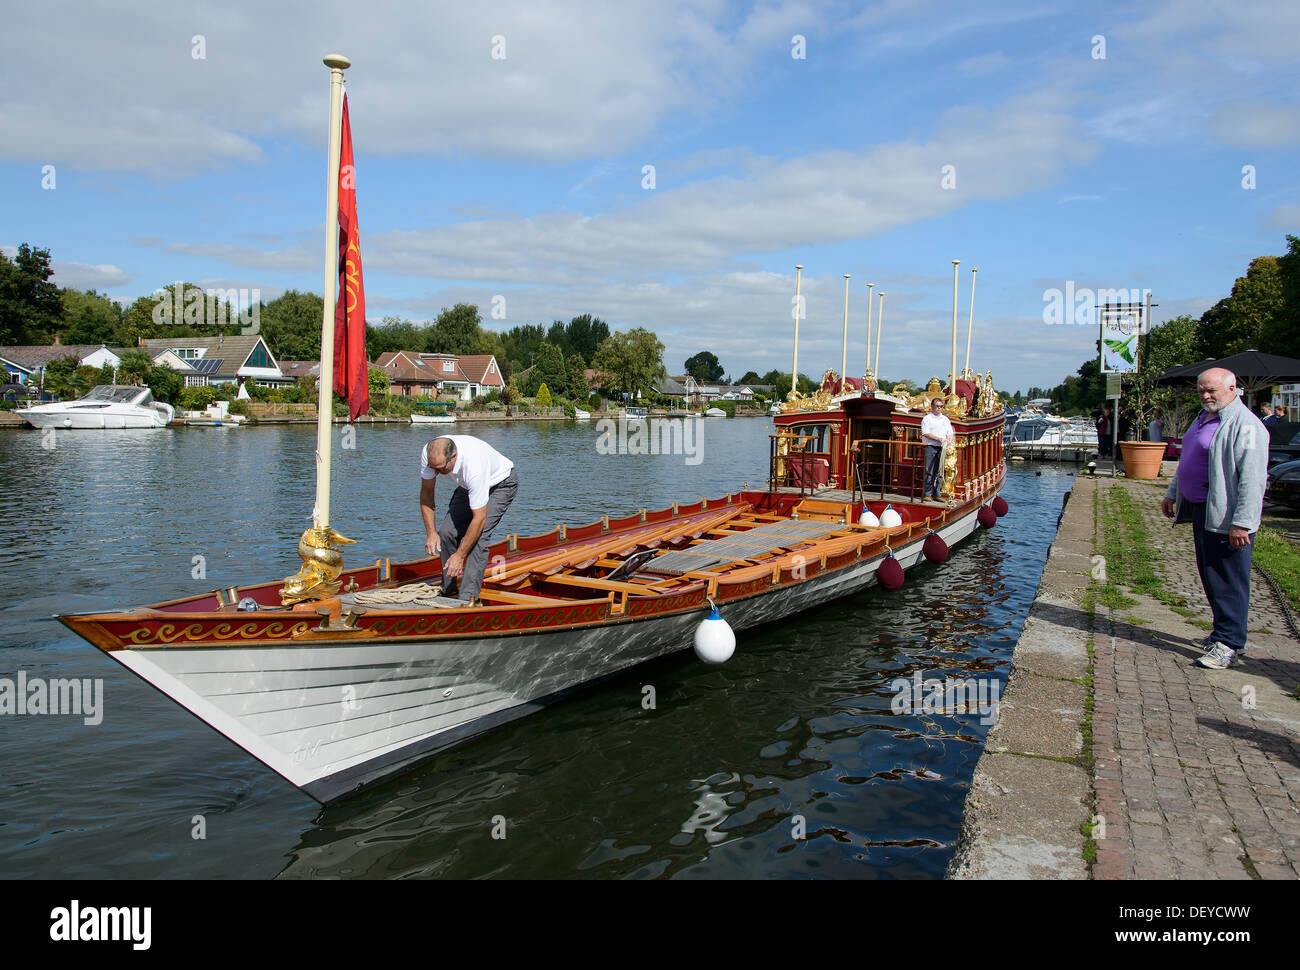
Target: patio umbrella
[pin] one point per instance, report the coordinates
(1255, 371)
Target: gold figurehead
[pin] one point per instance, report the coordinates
(322, 564)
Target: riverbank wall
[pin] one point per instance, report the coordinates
(1115, 756)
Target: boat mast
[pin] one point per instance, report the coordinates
(337, 64)
(844, 350)
(952, 374)
(869, 375)
(970, 325)
(322, 564)
(880, 325)
(794, 374)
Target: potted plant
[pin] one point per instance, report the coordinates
(1142, 458)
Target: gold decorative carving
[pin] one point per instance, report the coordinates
(322, 565)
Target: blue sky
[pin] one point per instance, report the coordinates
(522, 176)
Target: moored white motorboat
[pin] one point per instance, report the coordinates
(1038, 435)
(107, 406)
(715, 413)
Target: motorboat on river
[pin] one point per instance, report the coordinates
(106, 406)
(1035, 434)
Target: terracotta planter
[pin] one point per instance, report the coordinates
(1142, 458)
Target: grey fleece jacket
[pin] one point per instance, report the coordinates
(1238, 472)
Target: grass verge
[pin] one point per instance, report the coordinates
(1281, 560)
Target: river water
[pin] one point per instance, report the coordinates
(787, 762)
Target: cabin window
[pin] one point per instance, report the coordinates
(449, 367)
(820, 434)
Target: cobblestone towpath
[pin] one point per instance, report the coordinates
(1114, 755)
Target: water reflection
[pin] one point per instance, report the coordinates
(787, 762)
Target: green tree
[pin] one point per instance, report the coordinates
(576, 388)
(519, 345)
(704, 367)
(585, 334)
(137, 323)
(197, 398)
(291, 325)
(544, 396)
(751, 377)
(30, 309)
(134, 367)
(92, 318)
(392, 335)
(548, 369)
(457, 331)
(633, 360)
(1239, 321)
(165, 383)
(1281, 334)
(61, 378)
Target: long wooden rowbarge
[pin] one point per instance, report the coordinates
(339, 694)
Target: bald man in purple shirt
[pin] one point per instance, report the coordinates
(1219, 488)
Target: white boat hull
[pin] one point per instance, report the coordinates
(432, 419)
(106, 419)
(331, 717)
(107, 406)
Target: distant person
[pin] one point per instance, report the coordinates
(1219, 488)
(1267, 415)
(1125, 425)
(1103, 435)
(1279, 412)
(1156, 429)
(485, 486)
(936, 431)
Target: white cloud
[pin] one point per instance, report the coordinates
(83, 276)
(1257, 124)
(577, 80)
(983, 64)
(1286, 218)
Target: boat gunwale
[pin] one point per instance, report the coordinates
(780, 573)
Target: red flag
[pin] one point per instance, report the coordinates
(351, 378)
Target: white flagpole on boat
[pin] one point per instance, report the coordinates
(870, 287)
(880, 325)
(970, 325)
(952, 375)
(794, 374)
(844, 350)
(322, 563)
(337, 64)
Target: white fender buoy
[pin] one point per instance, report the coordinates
(715, 641)
(890, 517)
(868, 518)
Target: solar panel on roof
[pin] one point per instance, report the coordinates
(207, 365)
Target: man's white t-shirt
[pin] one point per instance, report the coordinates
(477, 468)
(937, 425)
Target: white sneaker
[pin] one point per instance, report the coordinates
(1219, 657)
